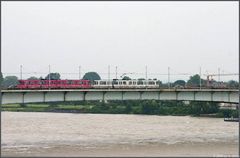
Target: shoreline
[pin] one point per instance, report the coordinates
(79, 112)
(212, 149)
(150, 107)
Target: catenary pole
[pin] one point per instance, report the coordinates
(169, 77)
(200, 80)
(21, 72)
(49, 76)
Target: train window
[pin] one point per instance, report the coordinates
(103, 82)
(140, 82)
(114, 82)
(124, 82)
(120, 83)
(130, 82)
(151, 83)
(95, 82)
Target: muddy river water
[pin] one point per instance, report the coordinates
(67, 134)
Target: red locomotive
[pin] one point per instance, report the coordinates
(53, 84)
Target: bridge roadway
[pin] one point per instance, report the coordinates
(52, 95)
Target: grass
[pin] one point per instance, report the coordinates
(38, 105)
(10, 105)
(42, 107)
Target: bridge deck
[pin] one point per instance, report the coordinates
(125, 90)
(48, 95)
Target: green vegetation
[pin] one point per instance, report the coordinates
(91, 76)
(33, 78)
(147, 107)
(9, 81)
(233, 84)
(53, 76)
(1, 78)
(126, 78)
(195, 81)
(179, 83)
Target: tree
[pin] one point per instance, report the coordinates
(91, 76)
(1, 78)
(126, 78)
(195, 81)
(197, 107)
(53, 76)
(9, 81)
(233, 84)
(33, 78)
(179, 82)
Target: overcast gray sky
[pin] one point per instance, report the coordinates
(182, 35)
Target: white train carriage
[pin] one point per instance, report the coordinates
(102, 84)
(126, 84)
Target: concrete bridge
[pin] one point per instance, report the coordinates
(53, 95)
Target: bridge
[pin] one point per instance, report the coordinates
(54, 95)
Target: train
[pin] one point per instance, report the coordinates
(101, 84)
(85, 84)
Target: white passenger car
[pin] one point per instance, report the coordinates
(126, 84)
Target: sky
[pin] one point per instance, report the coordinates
(184, 36)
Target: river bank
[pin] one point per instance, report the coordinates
(161, 108)
(187, 149)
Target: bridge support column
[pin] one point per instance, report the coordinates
(140, 95)
(84, 96)
(229, 96)
(103, 97)
(64, 95)
(212, 96)
(122, 94)
(177, 96)
(194, 96)
(44, 97)
(23, 97)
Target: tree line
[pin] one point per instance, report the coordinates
(146, 107)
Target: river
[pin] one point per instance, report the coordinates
(67, 134)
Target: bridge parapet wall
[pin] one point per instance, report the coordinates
(68, 95)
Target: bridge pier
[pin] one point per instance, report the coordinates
(104, 96)
(229, 96)
(44, 96)
(23, 99)
(84, 96)
(64, 95)
(140, 93)
(211, 96)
